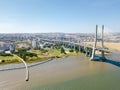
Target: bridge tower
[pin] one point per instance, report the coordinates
(94, 57)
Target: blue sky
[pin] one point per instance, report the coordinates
(69, 16)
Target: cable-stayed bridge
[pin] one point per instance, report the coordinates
(89, 50)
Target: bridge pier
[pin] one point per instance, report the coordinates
(71, 46)
(102, 43)
(86, 53)
(74, 46)
(82, 49)
(64, 44)
(90, 52)
(94, 47)
(79, 48)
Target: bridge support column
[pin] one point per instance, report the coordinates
(102, 41)
(65, 44)
(90, 52)
(82, 49)
(74, 47)
(94, 47)
(86, 54)
(79, 48)
(71, 45)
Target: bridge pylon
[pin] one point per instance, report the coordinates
(96, 39)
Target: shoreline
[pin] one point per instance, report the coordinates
(40, 59)
(22, 67)
(38, 62)
(33, 63)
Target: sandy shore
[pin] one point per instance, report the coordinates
(112, 46)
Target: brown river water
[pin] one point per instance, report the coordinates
(71, 73)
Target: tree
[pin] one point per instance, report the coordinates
(24, 57)
(77, 49)
(22, 53)
(63, 50)
(71, 50)
(21, 50)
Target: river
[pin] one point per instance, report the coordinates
(71, 73)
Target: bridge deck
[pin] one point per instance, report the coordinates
(79, 44)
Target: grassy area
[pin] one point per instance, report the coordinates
(41, 56)
(9, 59)
(54, 52)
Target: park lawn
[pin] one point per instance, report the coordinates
(54, 52)
(9, 57)
(35, 51)
(36, 59)
(50, 54)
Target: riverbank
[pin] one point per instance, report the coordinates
(9, 59)
(16, 66)
(41, 56)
